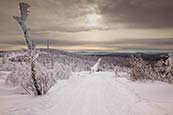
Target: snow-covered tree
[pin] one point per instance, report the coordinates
(162, 70)
(32, 75)
(96, 65)
(22, 20)
(138, 68)
(170, 59)
(30, 44)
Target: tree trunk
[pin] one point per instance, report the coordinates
(33, 76)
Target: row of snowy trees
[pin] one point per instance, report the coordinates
(118, 69)
(162, 70)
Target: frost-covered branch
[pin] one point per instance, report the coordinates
(21, 20)
(162, 70)
(28, 73)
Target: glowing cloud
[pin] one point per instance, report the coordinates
(93, 19)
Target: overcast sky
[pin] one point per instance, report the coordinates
(106, 25)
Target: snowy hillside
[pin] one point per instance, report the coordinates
(76, 61)
(82, 62)
(69, 86)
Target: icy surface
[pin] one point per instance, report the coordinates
(100, 93)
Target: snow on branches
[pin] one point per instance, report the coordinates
(29, 73)
(142, 70)
(21, 20)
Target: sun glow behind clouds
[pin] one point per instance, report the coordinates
(93, 19)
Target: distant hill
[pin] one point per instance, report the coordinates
(154, 56)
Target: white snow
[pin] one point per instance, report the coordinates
(100, 93)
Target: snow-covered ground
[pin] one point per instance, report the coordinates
(101, 93)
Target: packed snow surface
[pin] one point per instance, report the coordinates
(100, 93)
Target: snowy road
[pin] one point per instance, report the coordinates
(86, 94)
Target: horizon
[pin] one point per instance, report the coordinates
(95, 51)
(91, 25)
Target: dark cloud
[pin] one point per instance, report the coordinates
(68, 17)
(139, 13)
(65, 15)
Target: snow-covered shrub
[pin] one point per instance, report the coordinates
(45, 77)
(58, 72)
(15, 76)
(138, 68)
(45, 74)
(164, 70)
(142, 70)
(121, 69)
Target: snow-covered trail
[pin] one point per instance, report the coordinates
(87, 94)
